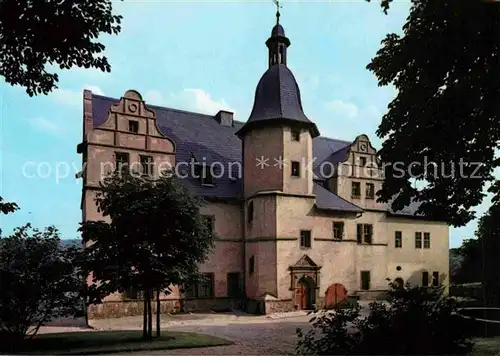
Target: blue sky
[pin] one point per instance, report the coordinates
(200, 56)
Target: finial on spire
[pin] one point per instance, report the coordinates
(278, 7)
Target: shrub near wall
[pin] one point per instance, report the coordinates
(415, 321)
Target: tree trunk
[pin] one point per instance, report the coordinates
(145, 316)
(158, 305)
(150, 315)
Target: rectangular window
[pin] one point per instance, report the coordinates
(425, 279)
(209, 221)
(133, 126)
(435, 279)
(365, 280)
(122, 160)
(203, 289)
(206, 286)
(295, 135)
(418, 240)
(362, 161)
(305, 238)
(367, 233)
(147, 165)
(250, 212)
(295, 169)
(251, 265)
(370, 191)
(364, 233)
(338, 230)
(398, 239)
(427, 240)
(356, 189)
(234, 289)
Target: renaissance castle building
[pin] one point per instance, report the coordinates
(295, 212)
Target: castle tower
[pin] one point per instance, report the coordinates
(277, 155)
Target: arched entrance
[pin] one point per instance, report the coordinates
(305, 294)
(399, 283)
(335, 294)
(304, 283)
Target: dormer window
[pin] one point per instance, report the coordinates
(133, 126)
(202, 171)
(295, 135)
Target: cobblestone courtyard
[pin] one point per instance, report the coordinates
(252, 335)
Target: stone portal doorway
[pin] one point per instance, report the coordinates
(304, 283)
(305, 295)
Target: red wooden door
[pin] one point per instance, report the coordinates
(301, 297)
(335, 294)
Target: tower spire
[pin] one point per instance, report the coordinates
(278, 42)
(278, 7)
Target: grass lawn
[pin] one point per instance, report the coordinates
(102, 342)
(486, 346)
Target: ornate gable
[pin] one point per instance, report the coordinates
(305, 261)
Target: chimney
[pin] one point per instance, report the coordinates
(224, 118)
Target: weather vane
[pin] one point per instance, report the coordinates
(278, 7)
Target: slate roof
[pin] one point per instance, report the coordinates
(277, 98)
(278, 30)
(327, 200)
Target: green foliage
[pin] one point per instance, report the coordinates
(488, 234)
(35, 34)
(155, 236)
(7, 207)
(39, 281)
(480, 262)
(445, 68)
(471, 265)
(414, 321)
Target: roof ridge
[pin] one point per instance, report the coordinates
(279, 91)
(333, 139)
(158, 106)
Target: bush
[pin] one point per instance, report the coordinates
(415, 321)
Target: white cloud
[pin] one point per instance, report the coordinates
(45, 125)
(343, 109)
(154, 97)
(190, 99)
(347, 110)
(203, 102)
(73, 97)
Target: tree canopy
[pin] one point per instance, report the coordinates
(155, 235)
(40, 280)
(443, 126)
(37, 33)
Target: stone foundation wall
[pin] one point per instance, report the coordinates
(279, 306)
(372, 294)
(262, 307)
(116, 309)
